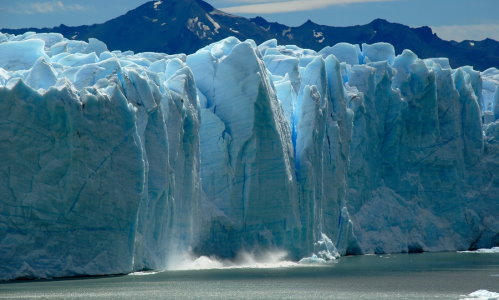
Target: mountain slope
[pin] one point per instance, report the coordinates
(164, 26)
(174, 26)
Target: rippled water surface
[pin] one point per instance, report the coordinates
(414, 276)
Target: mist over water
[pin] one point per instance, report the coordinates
(265, 260)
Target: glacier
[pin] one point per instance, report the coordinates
(116, 162)
(97, 147)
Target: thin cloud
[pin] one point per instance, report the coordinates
(290, 6)
(45, 7)
(467, 32)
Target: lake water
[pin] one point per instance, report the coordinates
(409, 276)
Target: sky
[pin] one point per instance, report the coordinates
(450, 19)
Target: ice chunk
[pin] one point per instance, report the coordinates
(486, 251)
(78, 59)
(402, 64)
(481, 295)
(344, 52)
(378, 52)
(96, 46)
(266, 45)
(21, 55)
(41, 75)
(49, 38)
(90, 73)
(443, 62)
(287, 97)
(490, 92)
(283, 65)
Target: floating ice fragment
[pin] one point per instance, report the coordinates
(481, 295)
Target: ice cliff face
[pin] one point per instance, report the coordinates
(246, 152)
(97, 147)
(114, 161)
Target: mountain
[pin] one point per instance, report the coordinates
(422, 40)
(176, 26)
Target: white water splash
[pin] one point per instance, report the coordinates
(271, 259)
(481, 295)
(143, 273)
(487, 251)
(244, 260)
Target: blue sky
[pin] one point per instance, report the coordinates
(451, 19)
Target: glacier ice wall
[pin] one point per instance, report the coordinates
(407, 134)
(115, 161)
(246, 152)
(100, 171)
(389, 153)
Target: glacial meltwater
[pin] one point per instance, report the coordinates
(402, 276)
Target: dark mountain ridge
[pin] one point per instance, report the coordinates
(175, 26)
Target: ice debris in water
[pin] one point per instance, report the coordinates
(267, 259)
(325, 248)
(483, 250)
(481, 295)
